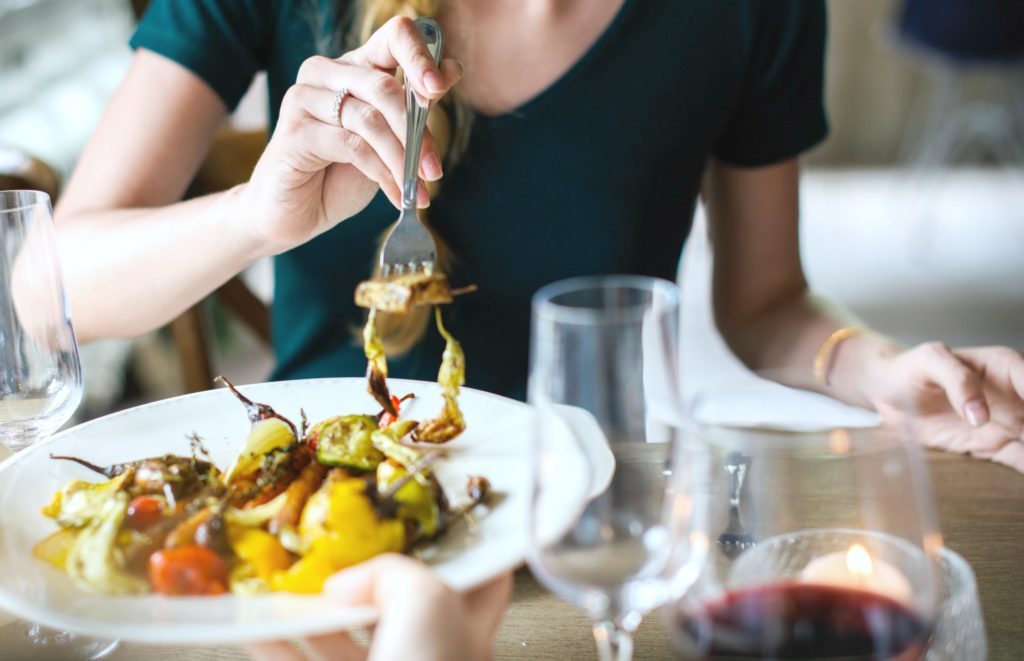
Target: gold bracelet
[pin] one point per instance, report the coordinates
(823, 359)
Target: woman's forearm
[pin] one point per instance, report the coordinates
(129, 271)
(785, 340)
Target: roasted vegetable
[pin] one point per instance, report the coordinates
(401, 294)
(450, 377)
(296, 497)
(55, 548)
(341, 526)
(188, 570)
(94, 558)
(261, 551)
(388, 441)
(346, 441)
(79, 502)
(256, 515)
(416, 502)
(377, 365)
(270, 432)
(144, 512)
(182, 476)
(156, 475)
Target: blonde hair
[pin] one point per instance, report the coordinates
(449, 122)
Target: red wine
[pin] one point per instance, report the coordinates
(800, 621)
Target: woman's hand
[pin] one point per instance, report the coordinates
(420, 617)
(319, 169)
(961, 400)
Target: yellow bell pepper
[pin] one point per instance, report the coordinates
(260, 550)
(55, 548)
(349, 532)
(306, 576)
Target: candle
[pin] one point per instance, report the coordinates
(858, 570)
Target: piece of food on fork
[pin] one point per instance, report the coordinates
(401, 294)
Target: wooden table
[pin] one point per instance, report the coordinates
(981, 509)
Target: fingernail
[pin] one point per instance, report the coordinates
(432, 167)
(422, 196)
(433, 82)
(976, 413)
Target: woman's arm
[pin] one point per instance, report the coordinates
(964, 400)
(129, 265)
(134, 260)
(762, 304)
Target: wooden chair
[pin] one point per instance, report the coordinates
(22, 171)
(229, 162)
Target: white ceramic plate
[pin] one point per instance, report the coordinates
(495, 445)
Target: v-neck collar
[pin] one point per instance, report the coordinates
(603, 41)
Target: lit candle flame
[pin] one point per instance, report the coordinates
(858, 561)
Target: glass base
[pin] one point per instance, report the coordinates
(17, 437)
(19, 640)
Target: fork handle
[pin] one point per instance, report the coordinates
(416, 115)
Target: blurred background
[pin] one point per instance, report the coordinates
(913, 209)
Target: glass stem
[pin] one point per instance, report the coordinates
(614, 642)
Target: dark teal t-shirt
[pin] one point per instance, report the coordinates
(599, 173)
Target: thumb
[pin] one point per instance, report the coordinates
(376, 581)
(961, 384)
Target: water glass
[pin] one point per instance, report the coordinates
(40, 372)
(603, 384)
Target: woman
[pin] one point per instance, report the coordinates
(594, 126)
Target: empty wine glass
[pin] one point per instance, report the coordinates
(843, 540)
(603, 384)
(40, 373)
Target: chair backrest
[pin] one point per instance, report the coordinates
(229, 162)
(22, 171)
(968, 30)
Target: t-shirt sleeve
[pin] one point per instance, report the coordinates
(224, 42)
(780, 112)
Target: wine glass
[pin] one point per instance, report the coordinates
(40, 372)
(603, 384)
(960, 628)
(841, 559)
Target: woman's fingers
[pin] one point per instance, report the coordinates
(333, 144)
(961, 384)
(987, 442)
(375, 88)
(1012, 455)
(398, 43)
(1003, 366)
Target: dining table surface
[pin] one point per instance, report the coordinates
(981, 512)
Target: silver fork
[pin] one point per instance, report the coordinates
(735, 539)
(409, 247)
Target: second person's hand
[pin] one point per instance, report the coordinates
(420, 617)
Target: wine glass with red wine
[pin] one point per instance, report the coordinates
(841, 562)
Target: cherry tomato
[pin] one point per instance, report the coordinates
(188, 570)
(144, 511)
